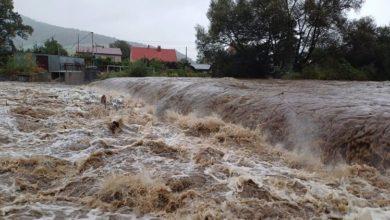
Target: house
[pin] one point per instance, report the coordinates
(200, 67)
(149, 53)
(115, 54)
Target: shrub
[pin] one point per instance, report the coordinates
(329, 69)
(138, 69)
(338, 71)
(152, 68)
(21, 63)
(157, 65)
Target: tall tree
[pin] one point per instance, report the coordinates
(360, 42)
(11, 25)
(124, 46)
(318, 22)
(367, 47)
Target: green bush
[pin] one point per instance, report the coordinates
(152, 68)
(329, 69)
(342, 71)
(21, 63)
(156, 66)
(138, 69)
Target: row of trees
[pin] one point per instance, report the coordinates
(294, 38)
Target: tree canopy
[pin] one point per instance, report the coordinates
(124, 46)
(11, 26)
(51, 46)
(260, 38)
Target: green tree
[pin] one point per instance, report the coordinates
(317, 24)
(124, 46)
(367, 47)
(11, 26)
(383, 53)
(51, 46)
(362, 53)
(268, 37)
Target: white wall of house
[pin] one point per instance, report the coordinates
(116, 59)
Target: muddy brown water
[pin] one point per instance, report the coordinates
(64, 155)
(337, 120)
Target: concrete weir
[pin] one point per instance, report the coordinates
(74, 77)
(338, 121)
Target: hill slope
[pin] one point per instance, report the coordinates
(67, 37)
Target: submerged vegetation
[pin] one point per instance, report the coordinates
(213, 126)
(143, 193)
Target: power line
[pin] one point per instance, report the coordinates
(83, 38)
(163, 41)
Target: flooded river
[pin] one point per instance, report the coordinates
(192, 149)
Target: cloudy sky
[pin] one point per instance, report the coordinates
(169, 23)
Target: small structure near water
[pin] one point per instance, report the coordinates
(197, 67)
(70, 70)
(62, 68)
(56, 68)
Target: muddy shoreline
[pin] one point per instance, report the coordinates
(338, 121)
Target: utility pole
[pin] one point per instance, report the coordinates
(92, 44)
(93, 52)
(78, 43)
(186, 55)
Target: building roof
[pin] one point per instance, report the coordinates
(100, 50)
(165, 55)
(198, 66)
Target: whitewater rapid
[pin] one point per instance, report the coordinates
(64, 155)
(338, 121)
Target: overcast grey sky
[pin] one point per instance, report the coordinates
(169, 23)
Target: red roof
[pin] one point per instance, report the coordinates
(165, 55)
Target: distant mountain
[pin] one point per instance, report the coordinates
(67, 37)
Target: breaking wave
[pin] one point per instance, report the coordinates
(337, 121)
